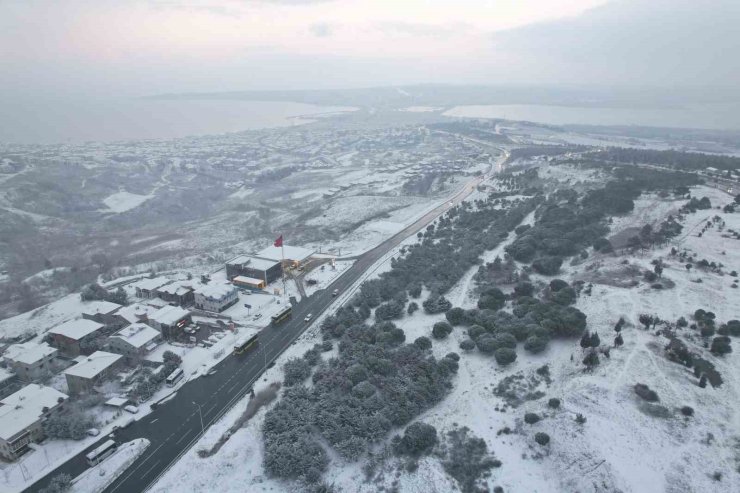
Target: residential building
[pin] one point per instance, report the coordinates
(22, 415)
(30, 360)
(170, 320)
(91, 370)
(134, 341)
(103, 312)
(179, 292)
(8, 382)
(216, 297)
(74, 337)
(254, 267)
(137, 312)
(147, 288)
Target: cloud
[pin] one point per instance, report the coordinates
(418, 29)
(321, 29)
(649, 42)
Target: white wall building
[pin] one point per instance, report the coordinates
(30, 360)
(216, 297)
(22, 415)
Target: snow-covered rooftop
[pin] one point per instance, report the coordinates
(297, 254)
(76, 329)
(20, 410)
(254, 262)
(169, 315)
(93, 365)
(95, 307)
(137, 335)
(176, 288)
(28, 353)
(134, 313)
(215, 291)
(152, 284)
(5, 374)
(116, 402)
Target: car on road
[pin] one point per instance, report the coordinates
(132, 409)
(257, 317)
(335, 292)
(308, 317)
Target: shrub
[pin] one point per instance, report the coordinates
(475, 331)
(531, 418)
(312, 356)
(687, 411)
(554, 403)
(504, 339)
(467, 345)
(580, 418)
(413, 306)
(59, 484)
(455, 316)
(721, 345)
(327, 346)
(423, 342)
(486, 344)
(70, 426)
(436, 304)
(547, 266)
(466, 459)
(296, 371)
(504, 356)
(535, 344)
(389, 311)
(542, 438)
(418, 439)
(440, 330)
(523, 289)
(492, 299)
(645, 393)
(170, 357)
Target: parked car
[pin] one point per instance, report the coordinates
(308, 317)
(132, 409)
(257, 317)
(93, 432)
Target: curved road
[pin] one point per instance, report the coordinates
(174, 426)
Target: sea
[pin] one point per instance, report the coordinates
(50, 121)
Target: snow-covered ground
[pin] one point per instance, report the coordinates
(620, 447)
(123, 201)
(97, 478)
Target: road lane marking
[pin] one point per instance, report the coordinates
(184, 435)
(149, 470)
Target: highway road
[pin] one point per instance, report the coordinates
(174, 426)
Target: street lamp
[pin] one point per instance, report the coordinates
(202, 428)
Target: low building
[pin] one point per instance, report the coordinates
(147, 288)
(248, 283)
(170, 320)
(30, 360)
(72, 338)
(254, 267)
(290, 254)
(103, 312)
(8, 382)
(138, 312)
(22, 415)
(91, 370)
(135, 341)
(216, 297)
(180, 292)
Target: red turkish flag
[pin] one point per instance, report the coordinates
(279, 241)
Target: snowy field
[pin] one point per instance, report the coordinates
(124, 201)
(620, 446)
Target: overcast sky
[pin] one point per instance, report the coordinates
(146, 47)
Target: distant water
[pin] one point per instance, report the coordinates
(725, 116)
(55, 121)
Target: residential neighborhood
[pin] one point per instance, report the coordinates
(89, 373)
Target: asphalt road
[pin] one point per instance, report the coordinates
(175, 425)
